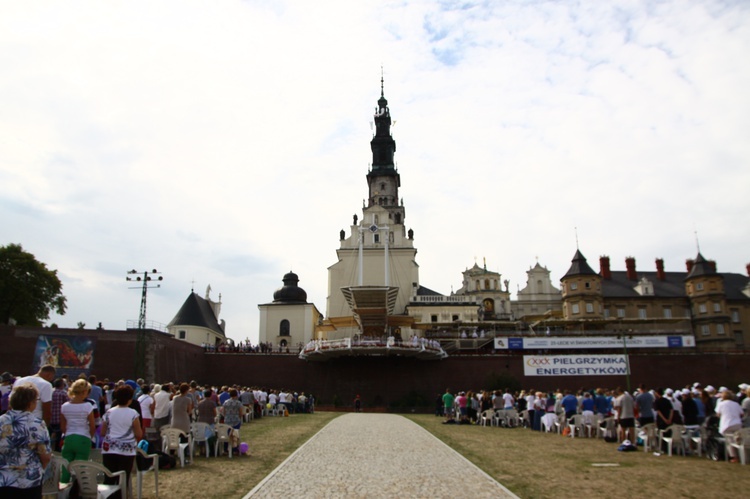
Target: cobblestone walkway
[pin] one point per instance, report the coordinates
(377, 455)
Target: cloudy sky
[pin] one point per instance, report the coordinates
(226, 143)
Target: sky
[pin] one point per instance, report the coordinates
(227, 143)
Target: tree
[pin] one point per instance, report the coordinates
(28, 289)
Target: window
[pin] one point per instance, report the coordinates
(667, 312)
(705, 330)
(284, 328)
(606, 313)
(376, 238)
(699, 286)
(702, 308)
(620, 312)
(182, 334)
(719, 328)
(433, 318)
(575, 308)
(589, 308)
(587, 285)
(735, 315)
(641, 312)
(717, 306)
(455, 318)
(573, 286)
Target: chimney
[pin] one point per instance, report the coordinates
(630, 267)
(712, 265)
(660, 269)
(607, 274)
(689, 264)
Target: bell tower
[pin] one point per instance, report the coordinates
(383, 179)
(378, 249)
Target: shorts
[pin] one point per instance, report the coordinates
(627, 423)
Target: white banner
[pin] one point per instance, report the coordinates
(592, 342)
(575, 365)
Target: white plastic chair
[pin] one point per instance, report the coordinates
(223, 436)
(85, 473)
(674, 441)
(739, 440)
(650, 438)
(140, 473)
(198, 436)
(51, 485)
(171, 441)
(577, 425)
(487, 417)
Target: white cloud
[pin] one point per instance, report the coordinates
(228, 143)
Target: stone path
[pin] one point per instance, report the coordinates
(377, 455)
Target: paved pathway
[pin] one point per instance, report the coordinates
(377, 455)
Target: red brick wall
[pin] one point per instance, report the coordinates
(379, 380)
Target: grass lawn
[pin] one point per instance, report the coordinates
(531, 464)
(534, 464)
(271, 440)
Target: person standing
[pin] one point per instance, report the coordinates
(625, 415)
(730, 419)
(77, 423)
(232, 410)
(162, 399)
(448, 400)
(24, 445)
(121, 430)
(148, 406)
(644, 401)
(182, 408)
(59, 397)
(43, 383)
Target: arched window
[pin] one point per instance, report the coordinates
(284, 328)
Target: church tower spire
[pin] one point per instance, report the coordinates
(383, 178)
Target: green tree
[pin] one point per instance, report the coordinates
(28, 289)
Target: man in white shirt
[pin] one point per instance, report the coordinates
(162, 397)
(43, 383)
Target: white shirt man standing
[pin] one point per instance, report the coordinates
(43, 383)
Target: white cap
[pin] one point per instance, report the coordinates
(685, 391)
(668, 391)
(722, 389)
(696, 391)
(743, 386)
(696, 384)
(710, 389)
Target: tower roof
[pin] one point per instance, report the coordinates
(701, 267)
(197, 311)
(579, 266)
(290, 292)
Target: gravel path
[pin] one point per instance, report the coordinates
(377, 455)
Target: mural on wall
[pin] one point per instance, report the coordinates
(71, 355)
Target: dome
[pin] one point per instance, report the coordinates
(290, 292)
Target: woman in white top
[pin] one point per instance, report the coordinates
(147, 406)
(730, 418)
(77, 424)
(121, 430)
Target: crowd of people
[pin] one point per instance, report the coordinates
(691, 406)
(247, 347)
(43, 413)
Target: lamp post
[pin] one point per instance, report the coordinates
(627, 360)
(141, 340)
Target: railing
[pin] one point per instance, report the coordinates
(417, 344)
(156, 326)
(444, 299)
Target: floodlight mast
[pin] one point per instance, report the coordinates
(140, 344)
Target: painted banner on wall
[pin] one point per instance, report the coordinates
(71, 355)
(594, 342)
(575, 365)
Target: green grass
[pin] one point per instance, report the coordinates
(531, 464)
(534, 464)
